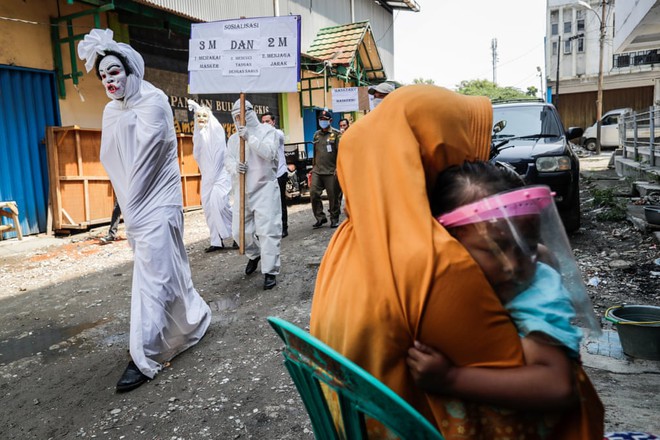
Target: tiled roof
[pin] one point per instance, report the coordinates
(341, 44)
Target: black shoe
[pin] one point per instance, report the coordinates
(269, 282)
(334, 224)
(285, 233)
(131, 379)
(320, 223)
(108, 239)
(252, 266)
(213, 249)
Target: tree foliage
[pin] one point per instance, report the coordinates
(423, 81)
(483, 87)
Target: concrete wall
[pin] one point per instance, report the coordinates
(84, 103)
(27, 43)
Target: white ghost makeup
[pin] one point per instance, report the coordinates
(113, 77)
(201, 118)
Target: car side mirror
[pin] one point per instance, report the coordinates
(574, 132)
(499, 126)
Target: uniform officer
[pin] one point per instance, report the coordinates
(324, 171)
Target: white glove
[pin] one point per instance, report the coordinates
(193, 106)
(243, 132)
(241, 167)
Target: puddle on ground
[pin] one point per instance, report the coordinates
(39, 341)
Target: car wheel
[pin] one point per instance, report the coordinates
(590, 144)
(571, 216)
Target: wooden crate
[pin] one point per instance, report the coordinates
(81, 194)
(191, 179)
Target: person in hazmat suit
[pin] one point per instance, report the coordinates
(139, 153)
(263, 215)
(209, 148)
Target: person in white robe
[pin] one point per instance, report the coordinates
(263, 215)
(209, 148)
(139, 153)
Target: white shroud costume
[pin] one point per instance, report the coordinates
(209, 148)
(263, 209)
(139, 153)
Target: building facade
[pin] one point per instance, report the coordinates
(43, 84)
(573, 56)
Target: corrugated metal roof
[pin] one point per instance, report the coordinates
(198, 10)
(409, 5)
(341, 44)
(182, 8)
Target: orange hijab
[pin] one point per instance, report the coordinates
(392, 273)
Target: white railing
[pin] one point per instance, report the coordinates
(639, 136)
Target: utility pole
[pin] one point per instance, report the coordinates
(599, 99)
(493, 48)
(556, 103)
(538, 69)
(601, 41)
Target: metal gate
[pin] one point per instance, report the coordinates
(28, 104)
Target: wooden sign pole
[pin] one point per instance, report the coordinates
(241, 179)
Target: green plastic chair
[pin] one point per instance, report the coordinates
(360, 395)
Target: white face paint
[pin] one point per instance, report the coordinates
(113, 77)
(202, 118)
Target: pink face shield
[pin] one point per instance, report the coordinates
(526, 201)
(513, 214)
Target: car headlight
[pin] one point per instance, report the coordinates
(549, 164)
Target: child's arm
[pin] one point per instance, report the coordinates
(544, 382)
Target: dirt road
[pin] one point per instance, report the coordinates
(64, 337)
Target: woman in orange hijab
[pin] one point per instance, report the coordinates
(392, 274)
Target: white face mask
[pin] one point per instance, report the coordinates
(376, 101)
(324, 124)
(113, 77)
(202, 118)
(251, 119)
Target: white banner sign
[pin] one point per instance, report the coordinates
(257, 55)
(345, 99)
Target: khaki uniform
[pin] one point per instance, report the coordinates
(324, 176)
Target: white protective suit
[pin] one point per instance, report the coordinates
(139, 153)
(209, 148)
(263, 210)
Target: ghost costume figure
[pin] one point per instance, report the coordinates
(263, 211)
(139, 153)
(209, 148)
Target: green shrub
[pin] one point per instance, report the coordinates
(611, 208)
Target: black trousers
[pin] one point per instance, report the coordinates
(330, 183)
(285, 218)
(114, 221)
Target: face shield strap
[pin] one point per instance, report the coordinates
(525, 201)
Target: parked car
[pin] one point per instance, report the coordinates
(530, 136)
(609, 130)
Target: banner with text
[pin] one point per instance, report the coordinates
(350, 99)
(345, 99)
(251, 55)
